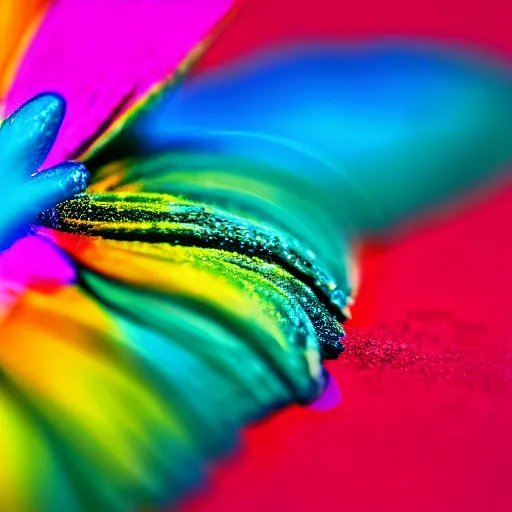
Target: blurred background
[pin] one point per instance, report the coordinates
(424, 421)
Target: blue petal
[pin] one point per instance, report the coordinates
(26, 138)
(384, 131)
(27, 135)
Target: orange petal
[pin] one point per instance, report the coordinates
(19, 20)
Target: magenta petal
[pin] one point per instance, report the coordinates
(331, 397)
(32, 261)
(100, 55)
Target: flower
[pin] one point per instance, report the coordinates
(101, 386)
(209, 277)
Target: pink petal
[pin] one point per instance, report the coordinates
(330, 399)
(101, 54)
(30, 262)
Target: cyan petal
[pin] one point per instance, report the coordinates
(61, 182)
(26, 138)
(382, 131)
(47, 188)
(27, 135)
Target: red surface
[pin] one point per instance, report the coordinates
(426, 415)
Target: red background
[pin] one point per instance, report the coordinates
(426, 415)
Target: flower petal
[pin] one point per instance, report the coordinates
(134, 393)
(26, 137)
(75, 48)
(381, 131)
(28, 134)
(19, 20)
